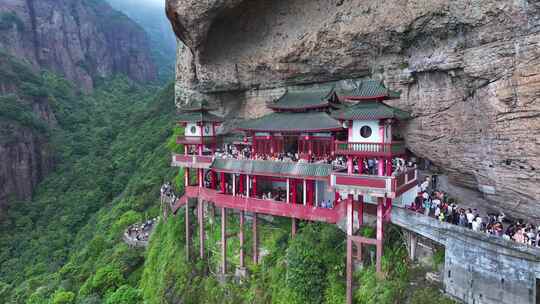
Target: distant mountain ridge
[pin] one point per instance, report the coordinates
(150, 15)
(83, 40)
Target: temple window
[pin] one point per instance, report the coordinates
(365, 132)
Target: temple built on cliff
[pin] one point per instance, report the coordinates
(334, 155)
(322, 155)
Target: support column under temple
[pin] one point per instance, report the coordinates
(413, 242)
(255, 240)
(223, 240)
(200, 214)
(241, 238)
(293, 226)
(380, 206)
(349, 266)
(188, 231)
(360, 223)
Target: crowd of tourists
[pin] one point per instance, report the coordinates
(439, 205)
(364, 166)
(167, 193)
(141, 232)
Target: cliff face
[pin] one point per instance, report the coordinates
(25, 122)
(468, 71)
(80, 39)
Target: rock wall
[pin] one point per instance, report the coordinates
(25, 154)
(468, 71)
(80, 39)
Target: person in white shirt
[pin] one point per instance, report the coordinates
(476, 223)
(470, 217)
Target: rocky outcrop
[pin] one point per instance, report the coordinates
(82, 40)
(25, 121)
(468, 71)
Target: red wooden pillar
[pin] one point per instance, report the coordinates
(255, 186)
(349, 266)
(223, 187)
(350, 167)
(213, 179)
(255, 240)
(294, 188)
(241, 184)
(186, 176)
(388, 167)
(380, 167)
(241, 238)
(380, 206)
(223, 240)
(310, 192)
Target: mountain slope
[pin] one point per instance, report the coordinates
(114, 159)
(83, 40)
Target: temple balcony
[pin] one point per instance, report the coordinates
(192, 161)
(369, 149)
(374, 185)
(263, 206)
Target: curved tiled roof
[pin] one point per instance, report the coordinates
(369, 89)
(292, 122)
(304, 99)
(198, 117)
(370, 110)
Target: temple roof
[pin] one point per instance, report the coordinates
(198, 106)
(369, 89)
(304, 99)
(272, 168)
(197, 111)
(370, 110)
(198, 117)
(292, 122)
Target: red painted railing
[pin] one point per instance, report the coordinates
(391, 186)
(369, 148)
(269, 207)
(191, 161)
(196, 140)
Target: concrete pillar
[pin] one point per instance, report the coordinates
(241, 238)
(255, 240)
(188, 232)
(293, 226)
(234, 184)
(223, 240)
(247, 185)
(349, 265)
(380, 206)
(288, 190)
(200, 213)
(304, 192)
(413, 242)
